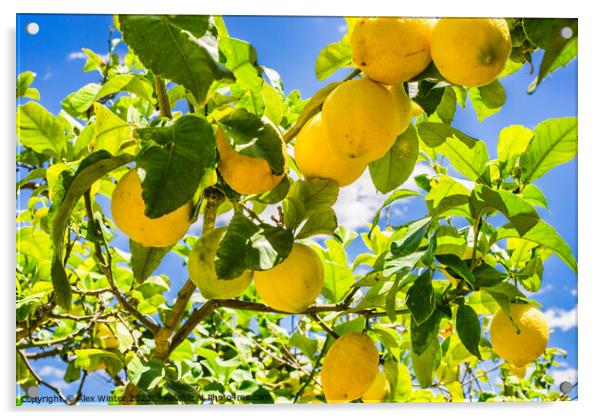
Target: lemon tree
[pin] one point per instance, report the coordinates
(188, 130)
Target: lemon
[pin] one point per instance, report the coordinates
(201, 269)
(519, 349)
(127, 208)
(519, 372)
(403, 106)
(362, 119)
(470, 52)
(316, 158)
(379, 389)
(391, 50)
(295, 283)
(246, 174)
(349, 368)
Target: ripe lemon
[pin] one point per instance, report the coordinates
(201, 269)
(362, 119)
(295, 283)
(519, 349)
(245, 174)
(378, 391)
(104, 336)
(349, 368)
(127, 208)
(391, 50)
(470, 52)
(403, 106)
(519, 372)
(316, 158)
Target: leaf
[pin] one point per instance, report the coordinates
(545, 235)
(534, 196)
(79, 102)
(548, 35)
(338, 277)
(171, 46)
(396, 166)
(132, 83)
(307, 346)
(241, 59)
(429, 96)
(420, 298)
(504, 294)
(395, 196)
(72, 373)
(450, 241)
(487, 100)
(172, 170)
(458, 266)
(24, 80)
(512, 142)
(487, 276)
(145, 260)
(307, 197)
(38, 130)
(333, 57)
(247, 246)
(323, 222)
(424, 334)
(96, 359)
(250, 136)
(469, 329)
(411, 241)
(554, 143)
(70, 187)
(399, 379)
(111, 131)
(425, 364)
(445, 195)
(314, 105)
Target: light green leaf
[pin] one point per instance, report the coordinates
(79, 102)
(146, 260)
(446, 195)
(333, 57)
(111, 131)
(322, 222)
(426, 363)
(487, 100)
(38, 130)
(395, 196)
(24, 80)
(307, 346)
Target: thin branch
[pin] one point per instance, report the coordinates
(325, 327)
(39, 380)
(193, 320)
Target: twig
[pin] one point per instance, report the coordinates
(39, 380)
(325, 327)
(193, 320)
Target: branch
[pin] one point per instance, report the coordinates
(40, 380)
(325, 327)
(193, 320)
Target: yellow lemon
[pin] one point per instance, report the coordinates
(403, 106)
(316, 158)
(378, 391)
(392, 50)
(519, 372)
(201, 269)
(349, 368)
(519, 349)
(246, 174)
(104, 336)
(362, 119)
(470, 52)
(295, 283)
(127, 208)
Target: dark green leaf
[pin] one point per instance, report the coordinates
(420, 299)
(425, 334)
(173, 170)
(487, 100)
(504, 294)
(487, 276)
(247, 246)
(458, 267)
(316, 194)
(469, 329)
(146, 260)
(411, 241)
(396, 166)
(429, 97)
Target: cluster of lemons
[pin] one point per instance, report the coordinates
(359, 123)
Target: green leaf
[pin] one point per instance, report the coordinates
(545, 235)
(487, 100)
(249, 246)
(132, 83)
(458, 266)
(172, 47)
(446, 110)
(411, 241)
(504, 293)
(79, 102)
(333, 57)
(111, 131)
(429, 96)
(71, 186)
(396, 166)
(250, 136)
(450, 241)
(38, 130)
(487, 276)
(420, 298)
(399, 379)
(94, 359)
(512, 142)
(307, 346)
(554, 143)
(146, 260)
(338, 277)
(323, 222)
(534, 196)
(24, 80)
(559, 51)
(469, 329)
(72, 373)
(447, 194)
(395, 196)
(424, 334)
(314, 105)
(241, 59)
(425, 364)
(174, 168)
(307, 197)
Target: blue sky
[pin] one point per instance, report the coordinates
(290, 45)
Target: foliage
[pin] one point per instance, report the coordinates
(421, 280)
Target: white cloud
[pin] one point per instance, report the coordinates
(77, 55)
(564, 375)
(358, 202)
(562, 319)
(342, 28)
(47, 371)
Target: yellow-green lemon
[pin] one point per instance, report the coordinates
(379, 389)
(349, 368)
(362, 119)
(295, 283)
(526, 346)
(470, 52)
(246, 174)
(391, 50)
(127, 208)
(316, 158)
(201, 269)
